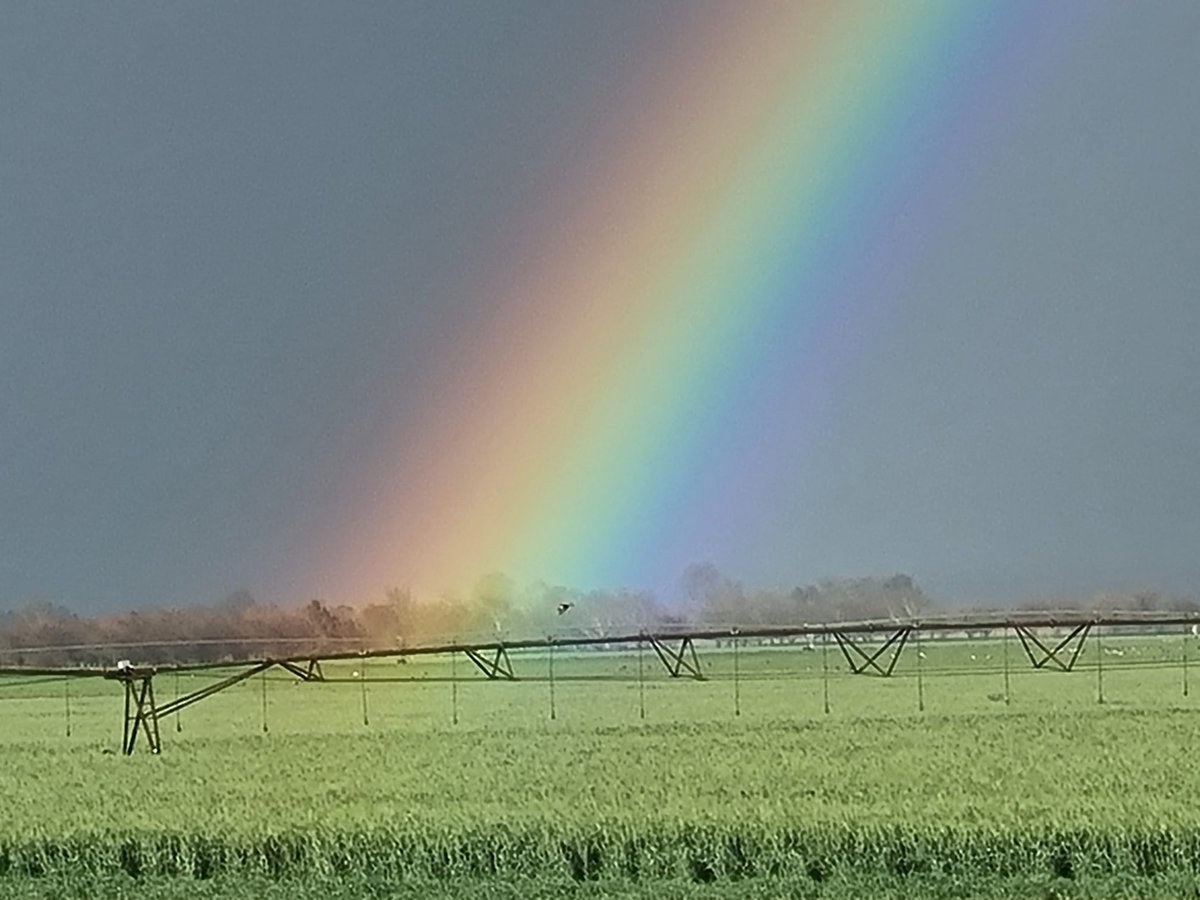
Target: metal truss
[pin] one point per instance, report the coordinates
(678, 661)
(1041, 655)
(860, 661)
(499, 666)
(141, 711)
(215, 688)
(311, 672)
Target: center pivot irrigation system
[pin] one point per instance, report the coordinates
(870, 648)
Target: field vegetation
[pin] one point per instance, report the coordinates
(950, 779)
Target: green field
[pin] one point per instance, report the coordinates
(1025, 785)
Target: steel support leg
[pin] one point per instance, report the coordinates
(141, 714)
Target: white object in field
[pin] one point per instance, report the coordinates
(123, 665)
(354, 674)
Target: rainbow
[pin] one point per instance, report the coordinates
(661, 340)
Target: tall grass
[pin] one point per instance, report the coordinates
(615, 851)
(1053, 787)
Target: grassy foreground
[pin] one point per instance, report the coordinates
(722, 789)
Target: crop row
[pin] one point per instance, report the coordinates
(617, 851)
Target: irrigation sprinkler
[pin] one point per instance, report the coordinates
(920, 678)
(362, 679)
(870, 647)
(454, 685)
(1004, 641)
(641, 681)
(825, 667)
(125, 727)
(263, 681)
(737, 684)
(550, 666)
(1185, 661)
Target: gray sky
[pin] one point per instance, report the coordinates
(208, 211)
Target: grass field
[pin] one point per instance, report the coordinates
(425, 779)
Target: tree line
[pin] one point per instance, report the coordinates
(44, 634)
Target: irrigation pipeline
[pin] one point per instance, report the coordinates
(1052, 641)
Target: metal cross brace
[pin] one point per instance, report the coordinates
(678, 661)
(1029, 641)
(498, 666)
(310, 673)
(866, 660)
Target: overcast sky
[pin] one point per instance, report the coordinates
(208, 212)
